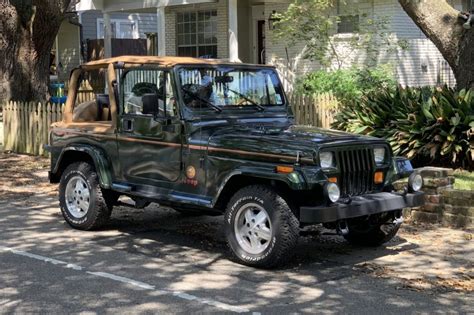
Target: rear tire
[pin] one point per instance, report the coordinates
(261, 229)
(84, 205)
(372, 232)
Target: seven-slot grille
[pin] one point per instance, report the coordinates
(356, 171)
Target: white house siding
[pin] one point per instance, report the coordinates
(69, 49)
(292, 64)
(420, 65)
(146, 22)
(222, 25)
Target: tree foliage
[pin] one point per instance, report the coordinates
(314, 22)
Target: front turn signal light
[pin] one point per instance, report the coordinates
(284, 169)
(378, 177)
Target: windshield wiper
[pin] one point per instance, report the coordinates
(197, 97)
(260, 107)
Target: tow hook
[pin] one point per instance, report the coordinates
(398, 218)
(342, 228)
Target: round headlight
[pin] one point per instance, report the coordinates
(415, 182)
(327, 159)
(332, 192)
(379, 156)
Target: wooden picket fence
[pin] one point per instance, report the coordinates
(85, 92)
(26, 126)
(317, 110)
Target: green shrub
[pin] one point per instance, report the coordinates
(432, 126)
(348, 85)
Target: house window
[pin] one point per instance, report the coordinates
(197, 34)
(348, 23)
(120, 29)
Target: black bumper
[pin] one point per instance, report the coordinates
(361, 206)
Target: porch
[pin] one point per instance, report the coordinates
(224, 29)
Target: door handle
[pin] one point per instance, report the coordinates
(127, 125)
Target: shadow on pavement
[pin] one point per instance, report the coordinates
(189, 254)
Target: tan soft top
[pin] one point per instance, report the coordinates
(161, 61)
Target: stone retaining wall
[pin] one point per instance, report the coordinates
(444, 204)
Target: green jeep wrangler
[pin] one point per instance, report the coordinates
(214, 137)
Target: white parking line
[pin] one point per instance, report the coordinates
(139, 284)
(107, 275)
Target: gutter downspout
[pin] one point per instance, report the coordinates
(72, 21)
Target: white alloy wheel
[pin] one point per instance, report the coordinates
(252, 228)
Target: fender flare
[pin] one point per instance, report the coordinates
(98, 157)
(295, 180)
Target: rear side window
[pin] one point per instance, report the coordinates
(92, 98)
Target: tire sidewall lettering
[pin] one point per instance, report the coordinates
(240, 202)
(267, 252)
(230, 217)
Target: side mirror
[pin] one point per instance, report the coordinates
(150, 104)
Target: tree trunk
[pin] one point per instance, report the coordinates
(440, 22)
(27, 34)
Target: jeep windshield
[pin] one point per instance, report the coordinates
(229, 87)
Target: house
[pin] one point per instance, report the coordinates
(242, 30)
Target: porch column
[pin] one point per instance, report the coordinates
(233, 31)
(160, 17)
(107, 36)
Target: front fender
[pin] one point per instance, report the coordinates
(294, 180)
(101, 163)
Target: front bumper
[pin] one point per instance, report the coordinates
(361, 206)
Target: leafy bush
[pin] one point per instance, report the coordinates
(430, 125)
(348, 85)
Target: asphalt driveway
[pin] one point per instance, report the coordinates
(158, 261)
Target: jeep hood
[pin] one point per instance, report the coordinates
(287, 140)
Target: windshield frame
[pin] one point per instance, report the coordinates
(229, 109)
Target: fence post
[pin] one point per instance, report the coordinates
(6, 120)
(30, 134)
(5, 125)
(323, 101)
(11, 118)
(39, 131)
(17, 131)
(18, 137)
(44, 121)
(48, 115)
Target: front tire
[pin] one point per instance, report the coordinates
(261, 229)
(84, 205)
(373, 231)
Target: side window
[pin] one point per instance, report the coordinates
(92, 100)
(146, 92)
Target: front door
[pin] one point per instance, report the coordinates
(261, 42)
(149, 129)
